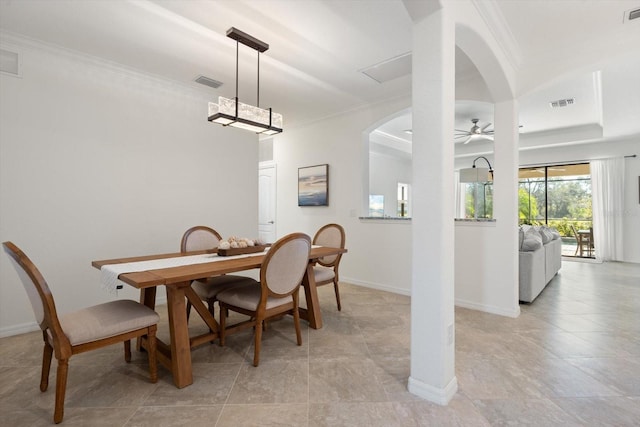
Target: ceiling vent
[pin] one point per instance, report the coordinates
(389, 69)
(208, 82)
(9, 62)
(562, 103)
(630, 15)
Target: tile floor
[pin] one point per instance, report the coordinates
(571, 358)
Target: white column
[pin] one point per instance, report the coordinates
(505, 205)
(432, 291)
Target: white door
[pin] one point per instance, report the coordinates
(267, 203)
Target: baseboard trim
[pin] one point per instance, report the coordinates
(441, 396)
(488, 308)
(377, 286)
(19, 329)
(458, 302)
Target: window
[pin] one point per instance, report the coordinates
(478, 200)
(376, 205)
(403, 200)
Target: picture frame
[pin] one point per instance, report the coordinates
(313, 185)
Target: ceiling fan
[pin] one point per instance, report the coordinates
(476, 132)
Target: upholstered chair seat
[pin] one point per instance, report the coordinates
(324, 274)
(106, 320)
(210, 288)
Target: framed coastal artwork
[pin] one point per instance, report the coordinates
(313, 185)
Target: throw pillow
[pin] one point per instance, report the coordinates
(544, 233)
(531, 242)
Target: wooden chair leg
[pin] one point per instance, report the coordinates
(212, 309)
(296, 323)
(335, 288)
(153, 358)
(46, 366)
(223, 323)
(61, 388)
(127, 351)
(257, 339)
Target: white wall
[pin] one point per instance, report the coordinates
(379, 251)
(99, 162)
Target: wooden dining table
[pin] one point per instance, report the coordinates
(176, 356)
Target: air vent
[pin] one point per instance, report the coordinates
(562, 103)
(389, 69)
(630, 15)
(9, 62)
(208, 82)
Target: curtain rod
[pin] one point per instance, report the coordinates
(571, 162)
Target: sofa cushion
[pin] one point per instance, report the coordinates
(531, 241)
(545, 233)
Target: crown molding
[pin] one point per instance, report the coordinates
(494, 19)
(15, 40)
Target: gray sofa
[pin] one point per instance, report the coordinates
(540, 259)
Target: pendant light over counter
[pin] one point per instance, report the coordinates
(231, 112)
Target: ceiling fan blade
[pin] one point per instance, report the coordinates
(485, 126)
(463, 131)
(461, 136)
(467, 141)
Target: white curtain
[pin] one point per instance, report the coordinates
(607, 192)
(460, 195)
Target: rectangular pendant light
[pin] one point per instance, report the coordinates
(231, 112)
(245, 116)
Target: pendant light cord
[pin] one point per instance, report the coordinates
(237, 47)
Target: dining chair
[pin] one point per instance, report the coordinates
(583, 241)
(83, 330)
(199, 238)
(333, 236)
(281, 273)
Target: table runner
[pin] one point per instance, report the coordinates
(109, 273)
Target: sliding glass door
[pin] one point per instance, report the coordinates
(558, 196)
